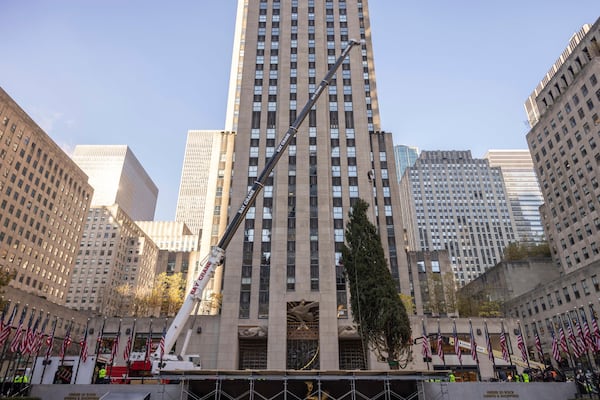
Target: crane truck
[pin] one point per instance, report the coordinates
(162, 360)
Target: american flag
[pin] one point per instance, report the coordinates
(84, 348)
(426, 350)
(580, 338)
(15, 345)
(161, 345)
(50, 343)
(456, 344)
(473, 343)
(574, 344)
(538, 346)
(148, 347)
(521, 346)
(115, 348)
(488, 344)
(127, 350)
(440, 344)
(562, 340)
(28, 344)
(595, 331)
(503, 346)
(555, 348)
(6, 327)
(66, 342)
(587, 334)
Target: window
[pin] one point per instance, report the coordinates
(566, 294)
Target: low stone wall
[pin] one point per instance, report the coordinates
(500, 390)
(96, 392)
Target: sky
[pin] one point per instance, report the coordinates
(451, 75)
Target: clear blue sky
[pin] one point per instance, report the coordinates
(450, 74)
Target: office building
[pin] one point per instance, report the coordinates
(285, 256)
(115, 265)
(523, 190)
(563, 112)
(405, 157)
(459, 204)
(118, 178)
(564, 116)
(205, 185)
(178, 253)
(44, 200)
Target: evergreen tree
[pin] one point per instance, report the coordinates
(377, 309)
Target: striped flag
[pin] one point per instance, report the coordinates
(440, 344)
(83, 354)
(595, 330)
(504, 346)
(15, 345)
(39, 336)
(50, 339)
(587, 334)
(6, 326)
(538, 346)
(29, 339)
(426, 350)
(488, 343)
(161, 345)
(149, 343)
(521, 346)
(562, 340)
(456, 343)
(473, 343)
(129, 345)
(573, 340)
(555, 348)
(66, 342)
(580, 338)
(115, 346)
(84, 348)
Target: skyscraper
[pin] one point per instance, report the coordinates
(286, 300)
(405, 157)
(523, 190)
(564, 114)
(459, 204)
(44, 200)
(118, 178)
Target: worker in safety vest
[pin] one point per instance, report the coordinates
(451, 377)
(102, 374)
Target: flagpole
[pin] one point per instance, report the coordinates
(29, 341)
(83, 348)
(5, 325)
(49, 349)
(15, 345)
(508, 346)
(426, 349)
(129, 347)
(571, 356)
(9, 330)
(148, 348)
(440, 342)
(115, 348)
(474, 354)
(38, 343)
(524, 345)
(580, 332)
(488, 343)
(595, 331)
(66, 343)
(538, 346)
(456, 343)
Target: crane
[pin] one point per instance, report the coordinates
(161, 358)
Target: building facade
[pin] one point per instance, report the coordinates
(523, 190)
(178, 253)
(115, 264)
(204, 186)
(405, 157)
(44, 200)
(564, 114)
(282, 267)
(118, 178)
(459, 204)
